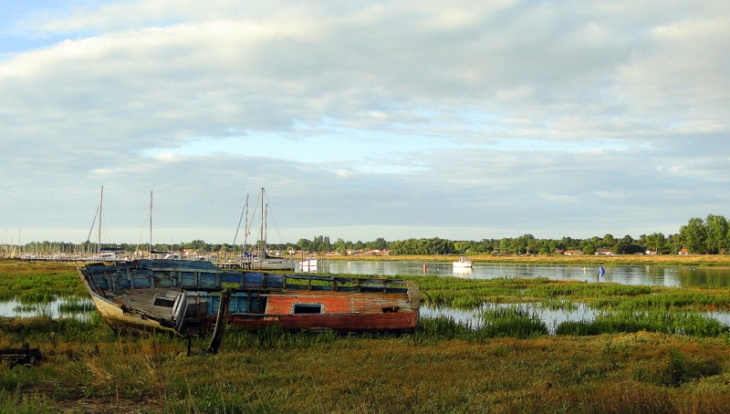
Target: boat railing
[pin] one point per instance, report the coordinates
(202, 277)
(345, 284)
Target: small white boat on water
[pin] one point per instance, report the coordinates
(463, 263)
(308, 265)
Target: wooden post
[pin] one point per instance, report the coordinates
(220, 325)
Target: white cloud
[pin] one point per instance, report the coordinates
(464, 114)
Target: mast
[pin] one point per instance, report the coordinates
(244, 213)
(101, 202)
(150, 249)
(262, 231)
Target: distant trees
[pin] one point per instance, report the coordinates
(656, 242)
(710, 236)
(705, 236)
(422, 246)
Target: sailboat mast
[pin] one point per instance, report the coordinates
(150, 250)
(262, 242)
(244, 213)
(245, 227)
(101, 203)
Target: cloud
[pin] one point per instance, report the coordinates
(466, 114)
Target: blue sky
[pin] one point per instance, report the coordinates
(465, 120)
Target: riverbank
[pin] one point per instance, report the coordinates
(512, 366)
(660, 260)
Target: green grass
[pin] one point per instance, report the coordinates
(474, 293)
(38, 282)
(631, 360)
(686, 323)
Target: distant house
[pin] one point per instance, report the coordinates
(604, 252)
(683, 252)
(573, 253)
(650, 253)
(377, 252)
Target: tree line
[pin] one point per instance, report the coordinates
(698, 236)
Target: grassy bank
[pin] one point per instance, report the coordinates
(274, 372)
(670, 361)
(38, 282)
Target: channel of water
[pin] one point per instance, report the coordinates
(684, 276)
(674, 276)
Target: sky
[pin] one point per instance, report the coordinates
(463, 120)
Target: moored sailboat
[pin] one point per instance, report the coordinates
(260, 258)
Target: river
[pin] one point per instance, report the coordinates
(675, 276)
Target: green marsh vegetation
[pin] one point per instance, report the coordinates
(509, 365)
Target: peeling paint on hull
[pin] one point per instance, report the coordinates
(182, 297)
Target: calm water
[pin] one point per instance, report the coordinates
(627, 275)
(15, 309)
(630, 275)
(551, 317)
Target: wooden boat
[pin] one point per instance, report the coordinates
(183, 297)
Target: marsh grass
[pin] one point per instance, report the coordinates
(474, 293)
(447, 368)
(508, 365)
(498, 323)
(16, 402)
(75, 305)
(686, 323)
(38, 282)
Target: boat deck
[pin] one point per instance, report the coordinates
(144, 299)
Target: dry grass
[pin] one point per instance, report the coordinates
(605, 374)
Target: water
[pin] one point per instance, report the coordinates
(677, 276)
(16, 309)
(552, 318)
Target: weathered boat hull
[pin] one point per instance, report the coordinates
(182, 298)
(120, 320)
(341, 322)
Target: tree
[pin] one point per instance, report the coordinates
(378, 244)
(589, 249)
(608, 241)
(656, 242)
(717, 233)
(694, 234)
(340, 245)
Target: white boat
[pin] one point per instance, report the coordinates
(463, 263)
(271, 263)
(308, 265)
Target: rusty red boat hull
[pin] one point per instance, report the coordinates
(182, 297)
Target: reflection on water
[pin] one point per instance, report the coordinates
(626, 275)
(552, 318)
(78, 309)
